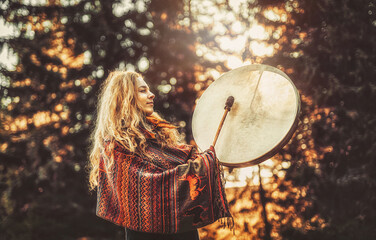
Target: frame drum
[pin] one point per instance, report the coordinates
(263, 118)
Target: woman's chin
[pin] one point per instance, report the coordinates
(148, 113)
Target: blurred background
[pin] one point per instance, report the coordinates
(55, 54)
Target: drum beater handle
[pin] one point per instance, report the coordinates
(228, 105)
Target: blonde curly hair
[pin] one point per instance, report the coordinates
(119, 118)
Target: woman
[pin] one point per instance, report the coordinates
(146, 180)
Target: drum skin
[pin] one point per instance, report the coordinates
(262, 119)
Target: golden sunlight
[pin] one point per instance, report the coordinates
(232, 44)
(261, 49)
(233, 62)
(258, 32)
(237, 41)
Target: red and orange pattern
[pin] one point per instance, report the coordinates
(176, 190)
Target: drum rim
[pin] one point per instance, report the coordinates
(285, 139)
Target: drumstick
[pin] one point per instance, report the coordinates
(228, 105)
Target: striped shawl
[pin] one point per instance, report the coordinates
(176, 190)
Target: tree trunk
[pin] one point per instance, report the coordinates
(263, 201)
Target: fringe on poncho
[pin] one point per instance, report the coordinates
(176, 190)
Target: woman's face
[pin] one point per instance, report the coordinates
(145, 98)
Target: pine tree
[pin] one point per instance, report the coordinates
(338, 59)
(65, 50)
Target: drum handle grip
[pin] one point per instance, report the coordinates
(220, 127)
(229, 102)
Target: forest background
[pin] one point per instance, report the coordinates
(55, 54)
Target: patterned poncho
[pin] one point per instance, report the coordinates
(175, 190)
